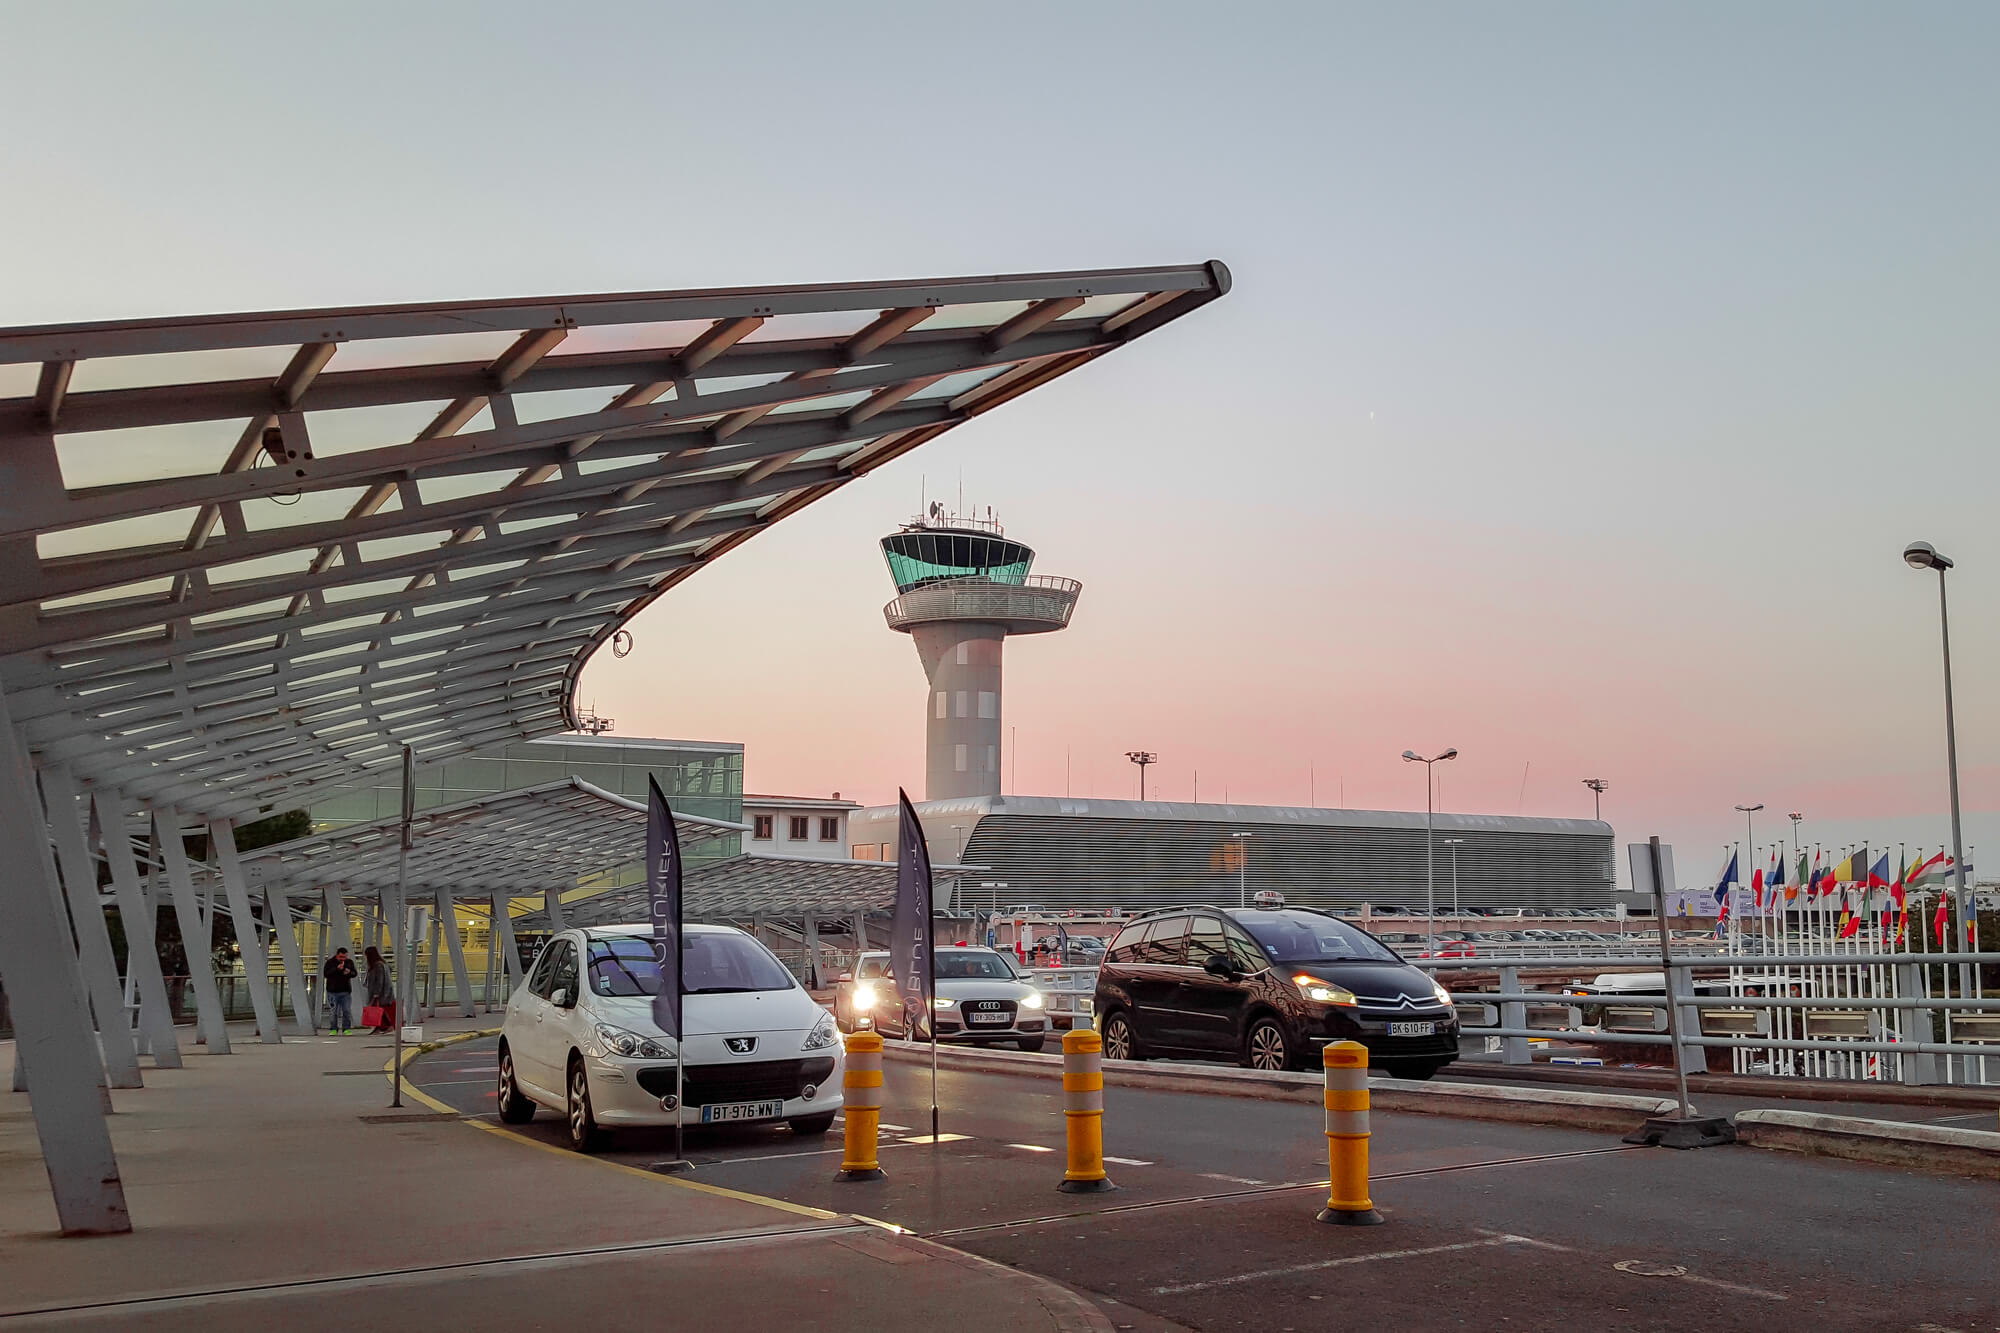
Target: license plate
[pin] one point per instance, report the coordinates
(1413, 1029)
(993, 1020)
(724, 1113)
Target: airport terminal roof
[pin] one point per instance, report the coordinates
(247, 558)
(781, 886)
(525, 841)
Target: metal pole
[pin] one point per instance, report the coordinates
(1951, 763)
(1454, 875)
(400, 972)
(1667, 976)
(1430, 871)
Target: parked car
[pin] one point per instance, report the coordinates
(1268, 989)
(980, 999)
(579, 1038)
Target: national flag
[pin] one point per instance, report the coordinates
(1933, 870)
(1757, 886)
(1849, 922)
(910, 933)
(1818, 879)
(663, 901)
(1852, 869)
(1777, 881)
(1878, 874)
(1937, 920)
(1722, 885)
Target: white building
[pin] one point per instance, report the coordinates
(808, 827)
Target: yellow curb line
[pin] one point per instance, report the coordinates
(510, 1136)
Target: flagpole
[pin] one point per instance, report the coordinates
(930, 916)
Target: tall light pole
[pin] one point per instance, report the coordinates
(1430, 853)
(1142, 758)
(1242, 867)
(1922, 555)
(1453, 843)
(1749, 845)
(1597, 786)
(1797, 817)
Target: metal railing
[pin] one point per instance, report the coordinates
(1883, 1017)
(1040, 597)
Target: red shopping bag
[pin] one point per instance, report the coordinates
(378, 1016)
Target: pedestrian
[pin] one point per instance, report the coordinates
(376, 981)
(339, 974)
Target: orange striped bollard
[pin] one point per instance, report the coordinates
(1083, 1112)
(1347, 1202)
(861, 1095)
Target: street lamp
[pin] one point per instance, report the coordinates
(1453, 843)
(1749, 842)
(1597, 786)
(1242, 867)
(1142, 758)
(1430, 854)
(1922, 555)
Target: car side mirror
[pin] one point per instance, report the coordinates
(1218, 965)
(845, 976)
(559, 998)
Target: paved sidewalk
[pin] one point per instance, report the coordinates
(274, 1188)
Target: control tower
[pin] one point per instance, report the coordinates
(962, 587)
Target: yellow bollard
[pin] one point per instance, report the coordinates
(1083, 1112)
(861, 1093)
(1347, 1202)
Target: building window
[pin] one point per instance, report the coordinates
(829, 828)
(864, 851)
(989, 705)
(993, 759)
(885, 853)
(961, 702)
(958, 758)
(798, 829)
(942, 703)
(760, 828)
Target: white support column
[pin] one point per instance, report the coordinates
(256, 955)
(448, 923)
(436, 947)
(93, 939)
(812, 951)
(196, 937)
(52, 1033)
(337, 921)
(278, 906)
(510, 955)
(554, 897)
(142, 953)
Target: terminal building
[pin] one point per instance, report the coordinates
(1135, 856)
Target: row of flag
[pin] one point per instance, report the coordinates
(1852, 878)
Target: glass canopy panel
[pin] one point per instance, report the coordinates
(348, 430)
(145, 453)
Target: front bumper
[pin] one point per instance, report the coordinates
(626, 1093)
(1371, 1029)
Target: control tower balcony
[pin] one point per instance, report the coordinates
(1035, 604)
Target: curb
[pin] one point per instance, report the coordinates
(1072, 1311)
(425, 1048)
(1608, 1112)
(1787, 1089)
(1933, 1148)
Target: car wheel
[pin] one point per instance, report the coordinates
(810, 1126)
(1032, 1044)
(584, 1136)
(1121, 1042)
(514, 1108)
(1265, 1046)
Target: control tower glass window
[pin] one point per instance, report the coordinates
(928, 556)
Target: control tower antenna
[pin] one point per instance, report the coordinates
(962, 586)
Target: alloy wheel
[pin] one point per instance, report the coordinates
(579, 1105)
(1117, 1040)
(1267, 1047)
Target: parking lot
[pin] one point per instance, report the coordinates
(1212, 1224)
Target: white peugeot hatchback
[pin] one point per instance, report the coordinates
(579, 1037)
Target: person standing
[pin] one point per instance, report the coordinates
(380, 994)
(339, 974)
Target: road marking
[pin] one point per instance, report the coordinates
(1349, 1259)
(458, 1083)
(1233, 1180)
(1647, 1268)
(1030, 1147)
(942, 1138)
(1127, 1161)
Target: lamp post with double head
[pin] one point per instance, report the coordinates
(1430, 852)
(1922, 555)
(1749, 848)
(1597, 786)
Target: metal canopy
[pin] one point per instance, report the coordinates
(527, 841)
(747, 886)
(244, 558)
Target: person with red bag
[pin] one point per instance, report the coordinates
(380, 1011)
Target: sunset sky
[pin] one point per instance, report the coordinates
(1587, 369)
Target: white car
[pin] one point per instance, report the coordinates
(579, 1037)
(980, 998)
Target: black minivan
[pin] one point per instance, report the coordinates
(1268, 989)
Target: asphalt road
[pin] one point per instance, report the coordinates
(1212, 1224)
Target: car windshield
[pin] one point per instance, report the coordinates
(954, 965)
(1305, 937)
(715, 964)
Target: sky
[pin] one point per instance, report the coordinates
(1587, 367)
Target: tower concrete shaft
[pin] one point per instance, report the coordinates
(962, 747)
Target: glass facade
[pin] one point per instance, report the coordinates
(923, 556)
(698, 777)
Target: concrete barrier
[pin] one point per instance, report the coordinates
(1613, 1113)
(1962, 1152)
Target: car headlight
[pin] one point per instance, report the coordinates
(1032, 1000)
(824, 1033)
(1437, 989)
(940, 1002)
(865, 997)
(617, 1041)
(1320, 991)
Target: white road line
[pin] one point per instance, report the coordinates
(1758, 1292)
(1030, 1147)
(1127, 1161)
(1347, 1260)
(941, 1138)
(1233, 1180)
